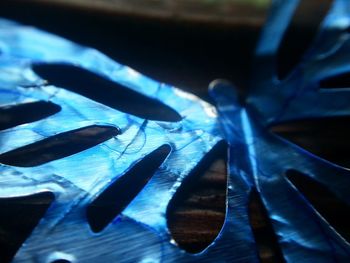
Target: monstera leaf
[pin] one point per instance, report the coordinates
(100, 148)
(261, 161)
(84, 148)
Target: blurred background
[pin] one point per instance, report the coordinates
(187, 43)
(184, 43)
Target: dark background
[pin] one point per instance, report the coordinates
(183, 53)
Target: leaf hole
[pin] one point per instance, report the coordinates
(335, 211)
(327, 138)
(265, 237)
(14, 115)
(105, 91)
(59, 146)
(112, 201)
(19, 217)
(336, 82)
(196, 213)
(300, 34)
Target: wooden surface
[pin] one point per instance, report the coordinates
(188, 11)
